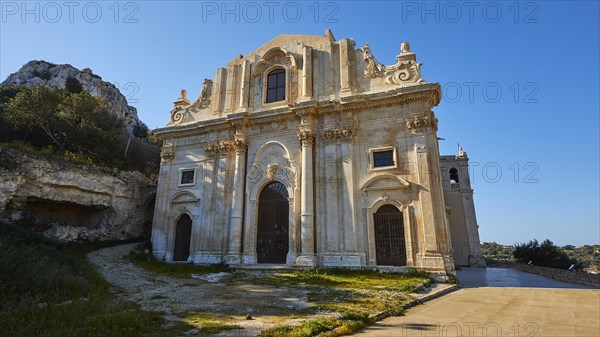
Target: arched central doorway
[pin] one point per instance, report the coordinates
(273, 224)
(183, 233)
(390, 248)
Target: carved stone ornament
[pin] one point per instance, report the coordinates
(177, 114)
(271, 170)
(167, 156)
(338, 133)
(205, 93)
(182, 100)
(420, 122)
(179, 110)
(405, 71)
(306, 136)
(273, 126)
(240, 145)
(220, 146)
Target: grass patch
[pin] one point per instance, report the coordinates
(50, 289)
(353, 295)
(208, 324)
(142, 256)
(346, 324)
(350, 279)
(452, 279)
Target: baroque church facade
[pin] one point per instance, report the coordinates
(309, 152)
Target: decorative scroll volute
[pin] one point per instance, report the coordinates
(406, 71)
(179, 110)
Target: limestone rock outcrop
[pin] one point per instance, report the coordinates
(35, 73)
(75, 202)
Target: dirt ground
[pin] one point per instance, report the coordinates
(155, 292)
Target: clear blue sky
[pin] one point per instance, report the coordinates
(520, 79)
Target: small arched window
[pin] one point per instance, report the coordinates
(276, 85)
(454, 176)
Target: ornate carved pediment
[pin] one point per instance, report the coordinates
(183, 197)
(274, 57)
(385, 182)
(271, 163)
(406, 71)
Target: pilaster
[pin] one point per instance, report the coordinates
(307, 227)
(234, 247)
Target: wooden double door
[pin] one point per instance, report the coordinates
(390, 246)
(273, 224)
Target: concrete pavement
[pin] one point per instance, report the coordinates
(501, 302)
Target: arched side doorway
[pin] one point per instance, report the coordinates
(183, 233)
(390, 247)
(272, 243)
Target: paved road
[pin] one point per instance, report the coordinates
(501, 302)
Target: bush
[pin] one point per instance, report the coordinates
(545, 255)
(76, 125)
(78, 158)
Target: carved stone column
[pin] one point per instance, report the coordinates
(307, 216)
(234, 246)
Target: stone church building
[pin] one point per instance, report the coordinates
(309, 152)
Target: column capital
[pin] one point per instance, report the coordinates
(241, 146)
(240, 142)
(307, 137)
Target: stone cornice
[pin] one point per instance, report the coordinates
(425, 92)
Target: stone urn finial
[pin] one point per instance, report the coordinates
(182, 100)
(405, 47)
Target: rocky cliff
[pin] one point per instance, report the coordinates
(72, 202)
(51, 75)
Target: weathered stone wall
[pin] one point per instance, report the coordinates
(557, 274)
(75, 201)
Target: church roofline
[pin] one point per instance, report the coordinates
(282, 39)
